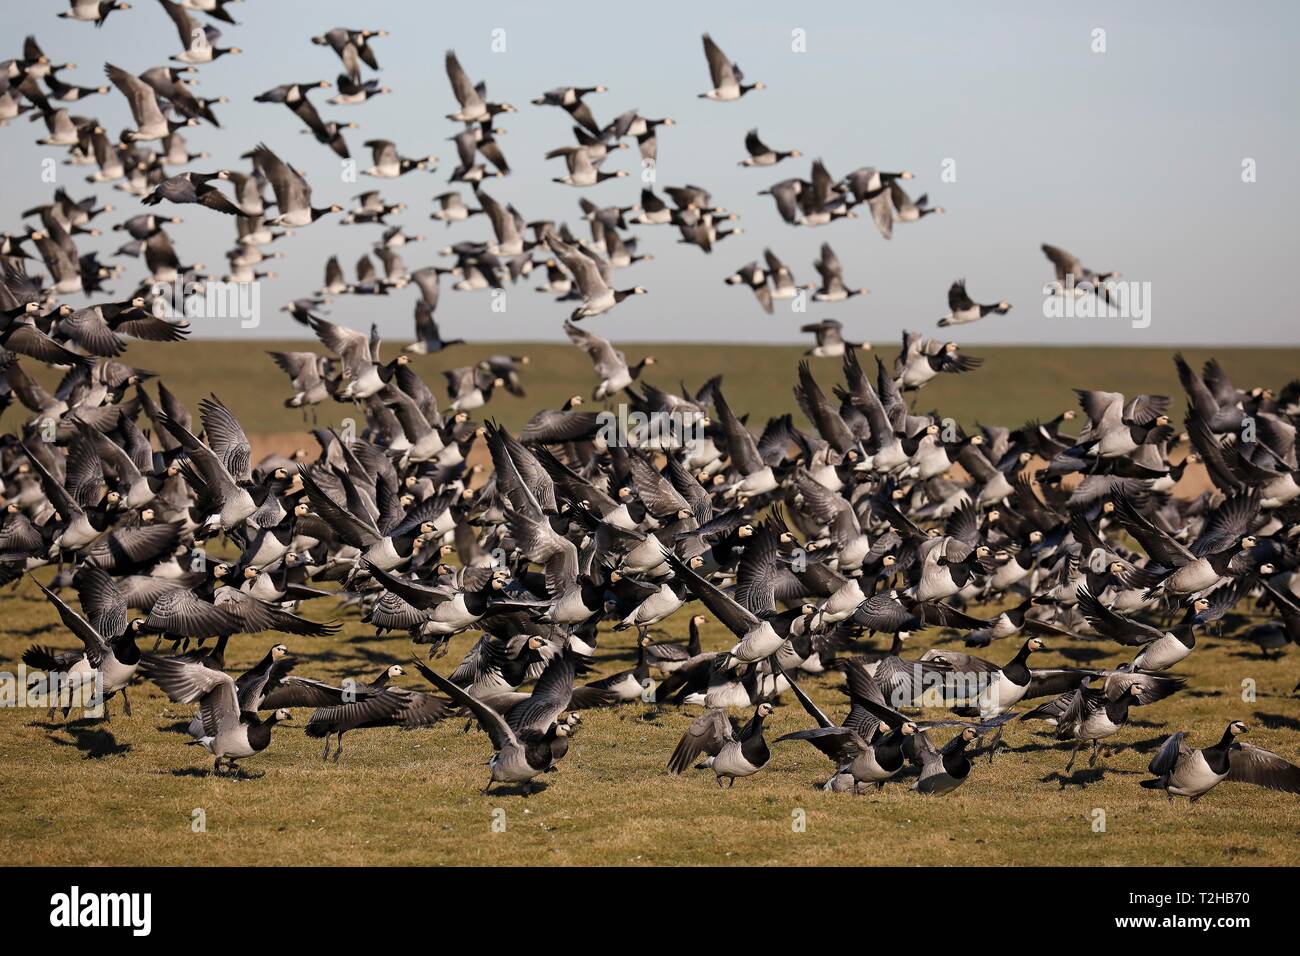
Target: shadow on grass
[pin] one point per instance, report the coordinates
(204, 773)
(94, 743)
(1277, 721)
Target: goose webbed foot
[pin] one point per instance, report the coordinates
(1073, 753)
(326, 754)
(126, 703)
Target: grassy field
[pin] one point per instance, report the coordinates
(1014, 384)
(125, 791)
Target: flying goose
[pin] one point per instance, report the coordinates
(833, 288)
(728, 80)
(760, 154)
(92, 11)
(292, 194)
(150, 121)
(830, 339)
(473, 107)
(754, 276)
(194, 188)
(962, 310)
(592, 276)
(199, 43)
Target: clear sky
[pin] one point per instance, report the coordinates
(1131, 158)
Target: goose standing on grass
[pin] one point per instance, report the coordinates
(228, 734)
(728, 80)
(733, 751)
(109, 657)
(1181, 771)
(519, 757)
(961, 309)
(760, 154)
(942, 771)
(869, 747)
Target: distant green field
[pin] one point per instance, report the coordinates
(126, 791)
(1014, 384)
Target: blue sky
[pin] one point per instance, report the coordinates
(1130, 158)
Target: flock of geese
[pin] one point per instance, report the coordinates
(810, 546)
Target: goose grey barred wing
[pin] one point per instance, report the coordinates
(884, 612)
(1170, 752)
(352, 529)
(54, 490)
(814, 403)
(738, 619)
(1114, 626)
(706, 735)
(756, 574)
(422, 709)
(1227, 524)
(183, 613)
(256, 616)
(185, 680)
(380, 707)
(417, 595)
(226, 437)
(740, 442)
(841, 744)
(293, 691)
(1064, 263)
(96, 644)
(391, 612)
(656, 492)
(206, 463)
(133, 546)
(102, 600)
(1250, 764)
(490, 720)
(938, 614)
(550, 697)
(1146, 688)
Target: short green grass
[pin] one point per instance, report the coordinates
(125, 791)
